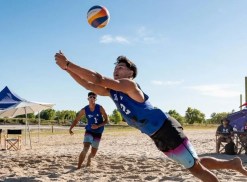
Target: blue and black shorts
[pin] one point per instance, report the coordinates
(171, 140)
(92, 138)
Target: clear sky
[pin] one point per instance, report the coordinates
(189, 53)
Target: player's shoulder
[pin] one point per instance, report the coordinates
(220, 126)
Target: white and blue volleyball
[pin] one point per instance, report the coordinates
(98, 16)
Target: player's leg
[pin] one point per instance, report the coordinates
(234, 164)
(88, 139)
(218, 143)
(91, 155)
(94, 149)
(186, 155)
(202, 173)
(83, 154)
(171, 140)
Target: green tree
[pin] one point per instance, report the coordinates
(176, 115)
(65, 115)
(30, 115)
(217, 117)
(58, 116)
(83, 118)
(194, 116)
(116, 117)
(48, 114)
(70, 115)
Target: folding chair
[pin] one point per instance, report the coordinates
(13, 139)
(222, 145)
(241, 142)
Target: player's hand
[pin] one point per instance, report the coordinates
(94, 126)
(71, 132)
(61, 60)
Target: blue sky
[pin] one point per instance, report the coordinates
(189, 53)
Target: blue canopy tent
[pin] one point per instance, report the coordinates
(238, 119)
(12, 105)
(8, 99)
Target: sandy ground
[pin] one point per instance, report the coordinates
(124, 155)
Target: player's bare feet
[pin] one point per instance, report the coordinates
(237, 163)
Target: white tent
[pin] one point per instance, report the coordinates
(26, 107)
(21, 107)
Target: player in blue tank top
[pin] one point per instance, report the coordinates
(142, 116)
(96, 120)
(133, 104)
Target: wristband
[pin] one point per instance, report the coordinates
(67, 65)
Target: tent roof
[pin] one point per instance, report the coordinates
(238, 119)
(8, 98)
(12, 105)
(236, 115)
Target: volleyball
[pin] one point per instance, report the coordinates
(98, 16)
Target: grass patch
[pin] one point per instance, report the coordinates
(109, 129)
(200, 126)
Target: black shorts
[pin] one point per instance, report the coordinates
(169, 136)
(171, 140)
(95, 135)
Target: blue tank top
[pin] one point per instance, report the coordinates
(142, 116)
(94, 117)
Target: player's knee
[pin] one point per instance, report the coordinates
(219, 141)
(85, 150)
(196, 168)
(203, 161)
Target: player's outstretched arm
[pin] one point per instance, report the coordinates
(99, 90)
(84, 73)
(124, 85)
(78, 117)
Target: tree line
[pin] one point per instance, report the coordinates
(191, 116)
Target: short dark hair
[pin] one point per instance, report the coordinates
(91, 93)
(225, 119)
(129, 64)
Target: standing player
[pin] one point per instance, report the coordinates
(96, 119)
(134, 106)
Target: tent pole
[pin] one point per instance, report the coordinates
(28, 129)
(25, 127)
(39, 127)
(241, 101)
(245, 89)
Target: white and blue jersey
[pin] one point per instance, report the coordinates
(142, 116)
(94, 117)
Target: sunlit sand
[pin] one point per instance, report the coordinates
(124, 155)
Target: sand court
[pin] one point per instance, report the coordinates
(124, 155)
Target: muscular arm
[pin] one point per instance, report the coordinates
(87, 78)
(95, 78)
(78, 117)
(106, 119)
(99, 90)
